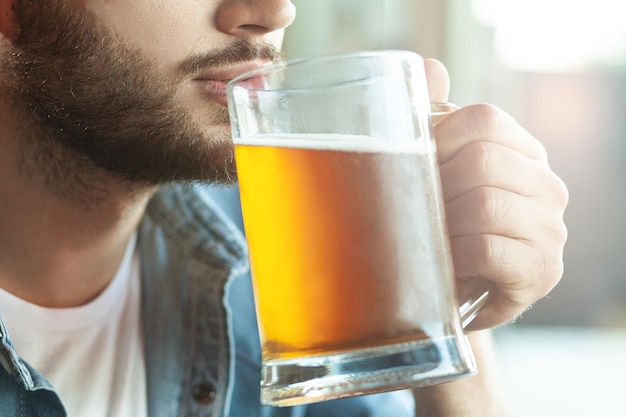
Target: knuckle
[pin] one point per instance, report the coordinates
(479, 157)
(489, 204)
(486, 116)
(485, 250)
(551, 274)
(553, 228)
(560, 191)
(541, 151)
(554, 187)
(545, 270)
(564, 233)
(538, 151)
(553, 231)
(560, 233)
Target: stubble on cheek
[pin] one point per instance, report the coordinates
(97, 106)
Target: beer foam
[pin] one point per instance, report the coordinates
(338, 142)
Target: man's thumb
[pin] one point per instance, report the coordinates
(438, 81)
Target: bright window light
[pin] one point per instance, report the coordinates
(556, 35)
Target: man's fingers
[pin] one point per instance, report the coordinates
(520, 271)
(488, 164)
(488, 210)
(504, 205)
(483, 122)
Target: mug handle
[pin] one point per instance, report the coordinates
(473, 297)
(475, 294)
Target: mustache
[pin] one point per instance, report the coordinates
(242, 50)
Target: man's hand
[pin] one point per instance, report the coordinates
(504, 205)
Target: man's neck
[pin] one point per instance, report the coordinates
(57, 251)
(57, 255)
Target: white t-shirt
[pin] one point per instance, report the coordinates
(93, 354)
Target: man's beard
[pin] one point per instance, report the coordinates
(90, 106)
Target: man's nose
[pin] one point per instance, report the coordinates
(254, 17)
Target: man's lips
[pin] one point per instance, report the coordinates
(213, 89)
(213, 83)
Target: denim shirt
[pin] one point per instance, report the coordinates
(200, 336)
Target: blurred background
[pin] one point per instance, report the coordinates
(559, 67)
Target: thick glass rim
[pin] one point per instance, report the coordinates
(279, 65)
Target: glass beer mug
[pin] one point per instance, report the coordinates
(343, 212)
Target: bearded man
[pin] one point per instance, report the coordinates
(124, 289)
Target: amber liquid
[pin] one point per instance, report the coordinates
(346, 244)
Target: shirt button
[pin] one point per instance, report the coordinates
(203, 392)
